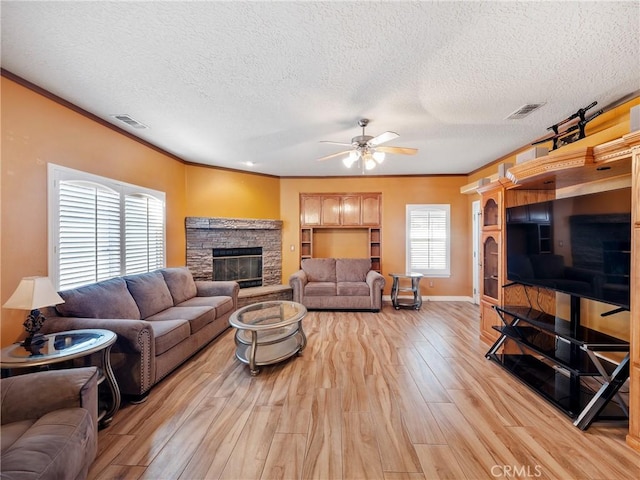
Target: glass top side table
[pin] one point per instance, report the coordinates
(64, 346)
(406, 282)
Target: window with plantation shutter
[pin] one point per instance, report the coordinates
(100, 228)
(428, 239)
(89, 233)
(144, 233)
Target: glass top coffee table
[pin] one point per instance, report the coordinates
(268, 332)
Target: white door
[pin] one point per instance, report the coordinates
(475, 216)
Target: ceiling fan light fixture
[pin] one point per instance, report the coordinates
(348, 161)
(378, 156)
(369, 163)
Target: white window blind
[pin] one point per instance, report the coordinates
(428, 239)
(89, 233)
(144, 233)
(100, 228)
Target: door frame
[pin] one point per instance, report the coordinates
(476, 225)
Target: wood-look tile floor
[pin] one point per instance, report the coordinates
(390, 395)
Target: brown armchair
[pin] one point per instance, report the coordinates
(49, 424)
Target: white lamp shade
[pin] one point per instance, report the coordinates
(32, 293)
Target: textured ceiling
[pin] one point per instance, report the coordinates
(224, 83)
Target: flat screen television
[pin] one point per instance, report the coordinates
(579, 245)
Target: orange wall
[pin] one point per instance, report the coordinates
(213, 192)
(396, 193)
(37, 131)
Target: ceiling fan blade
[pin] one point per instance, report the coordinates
(327, 157)
(400, 150)
(336, 143)
(382, 138)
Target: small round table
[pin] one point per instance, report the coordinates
(64, 346)
(268, 332)
(414, 303)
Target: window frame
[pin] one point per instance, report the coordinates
(439, 207)
(57, 174)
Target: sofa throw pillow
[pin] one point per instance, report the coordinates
(150, 292)
(352, 269)
(320, 269)
(107, 299)
(180, 283)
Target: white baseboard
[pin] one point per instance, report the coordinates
(434, 298)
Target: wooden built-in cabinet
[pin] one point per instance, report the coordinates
(633, 438)
(538, 180)
(491, 263)
(342, 210)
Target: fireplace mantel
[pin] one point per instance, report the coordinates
(206, 233)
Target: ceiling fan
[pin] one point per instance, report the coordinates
(367, 150)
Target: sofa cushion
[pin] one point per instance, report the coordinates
(197, 317)
(320, 269)
(150, 292)
(320, 289)
(351, 289)
(222, 304)
(13, 431)
(169, 333)
(56, 446)
(107, 299)
(180, 283)
(352, 269)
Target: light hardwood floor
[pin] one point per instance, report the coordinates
(393, 395)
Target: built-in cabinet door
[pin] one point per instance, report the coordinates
(491, 267)
(351, 210)
(489, 318)
(492, 210)
(310, 208)
(331, 210)
(371, 210)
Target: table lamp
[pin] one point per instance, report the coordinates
(31, 294)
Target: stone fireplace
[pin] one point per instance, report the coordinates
(233, 239)
(244, 265)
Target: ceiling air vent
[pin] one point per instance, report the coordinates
(129, 121)
(524, 110)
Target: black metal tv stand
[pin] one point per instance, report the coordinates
(554, 357)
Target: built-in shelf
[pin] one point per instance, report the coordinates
(326, 212)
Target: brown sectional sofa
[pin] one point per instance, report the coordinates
(161, 318)
(337, 284)
(49, 424)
